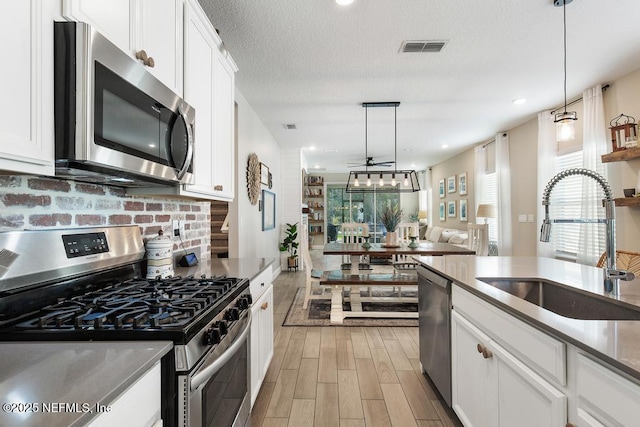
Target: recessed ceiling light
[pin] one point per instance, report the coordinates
(444, 146)
(312, 148)
(316, 167)
(331, 150)
(344, 2)
(519, 101)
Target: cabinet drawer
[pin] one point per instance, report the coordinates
(543, 353)
(604, 396)
(260, 283)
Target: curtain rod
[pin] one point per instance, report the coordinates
(575, 100)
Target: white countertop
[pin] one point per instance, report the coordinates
(69, 372)
(232, 267)
(615, 342)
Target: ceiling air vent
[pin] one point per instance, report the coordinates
(290, 126)
(422, 46)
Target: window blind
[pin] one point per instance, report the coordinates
(566, 200)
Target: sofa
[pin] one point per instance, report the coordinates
(444, 235)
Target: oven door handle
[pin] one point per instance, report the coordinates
(206, 372)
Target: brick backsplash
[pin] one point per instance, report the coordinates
(36, 203)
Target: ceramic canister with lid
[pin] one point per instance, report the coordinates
(159, 257)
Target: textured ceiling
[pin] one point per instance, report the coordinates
(312, 63)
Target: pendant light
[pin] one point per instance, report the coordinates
(387, 182)
(565, 121)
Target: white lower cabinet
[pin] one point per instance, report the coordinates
(471, 374)
(139, 405)
(604, 397)
(261, 337)
(490, 385)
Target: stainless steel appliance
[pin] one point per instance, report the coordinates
(91, 286)
(434, 324)
(114, 121)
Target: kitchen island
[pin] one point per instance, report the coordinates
(529, 363)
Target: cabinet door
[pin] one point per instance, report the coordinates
(198, 92)
(605, 397)
(111, 18)
(523, 397)
(261, 340)
(223, 128)
(472, 388)
(159, 30)
(26, 115)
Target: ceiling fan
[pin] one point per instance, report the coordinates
(370, 163)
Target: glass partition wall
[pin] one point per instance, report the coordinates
(344, 207)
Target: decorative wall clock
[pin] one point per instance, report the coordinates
(253, 178)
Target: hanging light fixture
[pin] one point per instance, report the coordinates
(387, 178)
(565, 121)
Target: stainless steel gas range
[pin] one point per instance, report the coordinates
(87, 284)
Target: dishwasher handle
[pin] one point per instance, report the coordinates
(433, 277)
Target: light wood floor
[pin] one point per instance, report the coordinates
(344, 376)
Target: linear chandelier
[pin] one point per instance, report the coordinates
(382, 181)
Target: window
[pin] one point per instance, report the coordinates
(566, 200)
(356, 207)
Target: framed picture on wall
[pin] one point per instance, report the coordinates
(451, 184)
(268, 210)
(442, 209)
(441, 188)
(462, 183)
(463, 210)
(451, 209)
(264, 174)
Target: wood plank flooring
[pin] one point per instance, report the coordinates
(339, 376)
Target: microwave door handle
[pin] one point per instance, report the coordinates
(189, 157)
(209, 371)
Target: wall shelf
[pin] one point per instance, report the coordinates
(627, 201)
(622, 155)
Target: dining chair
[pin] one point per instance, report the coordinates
(625, 260)
(478, 240)
(354, 232)
(312, 279)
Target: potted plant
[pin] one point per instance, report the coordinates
(390, 216)
(289, 244)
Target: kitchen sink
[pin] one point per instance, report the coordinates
(565, 301)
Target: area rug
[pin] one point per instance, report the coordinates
(319, 310)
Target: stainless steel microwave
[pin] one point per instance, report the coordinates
(116, 123)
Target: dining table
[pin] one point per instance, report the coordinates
(354, 277)
(356, 250)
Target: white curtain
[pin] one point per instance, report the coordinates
(547, 148)
(503, 184)
(594, 145)
(480, 171)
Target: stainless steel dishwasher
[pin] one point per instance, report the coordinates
(434, 306)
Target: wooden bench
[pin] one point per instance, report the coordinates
(338, 280)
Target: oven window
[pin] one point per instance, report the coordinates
(130, 121)
(223, 394)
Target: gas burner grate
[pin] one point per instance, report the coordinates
(135, 304)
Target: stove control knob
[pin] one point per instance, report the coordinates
(243, 303)
(212, 336)
(222, 325)
(232, 314)
(249, 298)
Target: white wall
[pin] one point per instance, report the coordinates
(246, 238)
(622, 96)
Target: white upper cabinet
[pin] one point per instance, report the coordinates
(154, 27)
(159, 32)
(26, 116)
(209, 87)
(113, 19)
